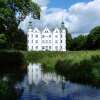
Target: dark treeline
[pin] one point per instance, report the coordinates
(88, 42)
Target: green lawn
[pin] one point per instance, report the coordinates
(49, 59)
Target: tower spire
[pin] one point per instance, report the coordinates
(62, 23)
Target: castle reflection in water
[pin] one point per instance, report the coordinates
(36, 75)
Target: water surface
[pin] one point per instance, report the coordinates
(38, 85)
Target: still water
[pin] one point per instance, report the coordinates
(50, 86)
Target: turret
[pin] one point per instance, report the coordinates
(62, 25)
(30, 26)
(63, 28)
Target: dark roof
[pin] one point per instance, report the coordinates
(41, 25)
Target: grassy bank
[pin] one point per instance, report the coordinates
(86, 71)
(49, 59)
(77, 66)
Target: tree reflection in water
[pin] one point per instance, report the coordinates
(8, 81)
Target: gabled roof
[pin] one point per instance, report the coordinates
(46, 29)
(36, 30)
(41, 26)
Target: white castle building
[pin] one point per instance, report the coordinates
(46, 39)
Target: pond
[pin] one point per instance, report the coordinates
(38, 85)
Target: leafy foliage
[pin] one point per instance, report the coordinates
(78, 43)
(93, 39)
(68, 40)
(89, 42)
(3, 41)
(12, 12)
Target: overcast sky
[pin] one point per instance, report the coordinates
(80, 16)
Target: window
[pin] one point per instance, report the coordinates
(46, 41)
(49, 47)
(56, 36)
(61, 35)
(36, 47)
(43, 36)
(56, 31)
(61, 41)
(56, 47)
(32, 41)
(61, 47)
(49, 36)
(32, 35)
(32, 47)
(36, 41)
(56, 41)
(35, 31)
(49, 41)
(46, 31)
(42, 41)
(36, 36)
(43, 47)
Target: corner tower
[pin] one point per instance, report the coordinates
(63, 37)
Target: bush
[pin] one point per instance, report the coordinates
(12, 62)
(85, 72)
(7, 92)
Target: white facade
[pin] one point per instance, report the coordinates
(46, 39)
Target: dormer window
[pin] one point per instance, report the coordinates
(46, 31)
(56, 31)
(36, 30)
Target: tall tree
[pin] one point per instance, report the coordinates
(3, 41)
(12, 12)
(68, 40)
(93, 39)
(78, 43)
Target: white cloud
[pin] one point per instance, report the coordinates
(85, 16)
(41, 2)
(80, 17)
